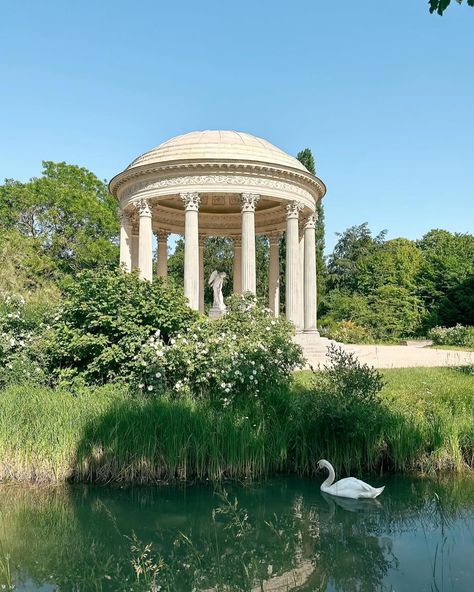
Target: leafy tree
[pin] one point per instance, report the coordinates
(440, 6)
(445, 275)
(306, 158)
(353, 245)
(396, 263)
(67, 214)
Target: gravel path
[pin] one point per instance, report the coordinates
(388, 356)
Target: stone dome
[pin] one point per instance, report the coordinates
(217, 145)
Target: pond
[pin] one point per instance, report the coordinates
(276, 535)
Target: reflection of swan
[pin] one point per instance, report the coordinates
(350, 487)
(351, 505)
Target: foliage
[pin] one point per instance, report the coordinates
(346, 397)
(398, 288)
(439, 6)
(423, 419)
(353, 245)
(446, 277)
(107, 317)
(67, 215)
(457, 335)
(246, 354)
(345, 331)
(20, 326)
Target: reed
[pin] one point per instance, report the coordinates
(425, 423)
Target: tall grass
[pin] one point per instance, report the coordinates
(425, 422)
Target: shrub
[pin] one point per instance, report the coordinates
(457, 335)
(245, 355)
(346, 332)
(21, 325)
(107, 317)
(341, 409)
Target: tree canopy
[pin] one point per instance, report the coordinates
(439, 6)
(59, 223)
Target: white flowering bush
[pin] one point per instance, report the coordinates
(457, 335)
(245, 354)
(19, 329)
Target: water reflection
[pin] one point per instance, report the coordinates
(275, 536)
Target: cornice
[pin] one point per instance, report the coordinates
(189, 167)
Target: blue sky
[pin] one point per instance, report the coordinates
(381, 91)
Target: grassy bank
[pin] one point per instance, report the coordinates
(425, 422)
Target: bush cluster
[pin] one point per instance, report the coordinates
(106, 318)
(21, 325)
(457, 335)
(245, 354)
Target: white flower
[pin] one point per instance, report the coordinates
(150, 387)
(158, 375)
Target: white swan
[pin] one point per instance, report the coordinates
(350, 487)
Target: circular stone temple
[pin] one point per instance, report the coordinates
(223, 183)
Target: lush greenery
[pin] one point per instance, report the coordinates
(106, 318)
(59, 223)
(380, 289)
(422, 419)
(457, 336)
(238, 359)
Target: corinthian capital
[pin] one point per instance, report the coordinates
(191, 201)
(162, 236)
(274, 237)
(310, 221)
(249, 201)
(143, 207)
(125, 218)
(293, 209)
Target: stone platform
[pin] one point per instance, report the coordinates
(412, 355)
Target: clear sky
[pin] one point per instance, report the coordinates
(381, 91)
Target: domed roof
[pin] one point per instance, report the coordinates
(217, 145)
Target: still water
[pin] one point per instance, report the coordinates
(272, 536)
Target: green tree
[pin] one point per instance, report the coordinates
(439, 6)
(306, 158)
(396, 262)
(67, 214)
(445, 275)
(353, 245)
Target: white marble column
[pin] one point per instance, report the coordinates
(191, 248)
(249, 279)
(292, 261)
(125, 241)
(310, 292)
(135, 247)
(202, 240)
(237, 280)
(162, 254)
(300, 294)
(145, 243)
(274, 273)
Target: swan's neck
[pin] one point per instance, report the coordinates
(330, 478)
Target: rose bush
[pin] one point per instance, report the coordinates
(245, 354)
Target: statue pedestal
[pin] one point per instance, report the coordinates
(216, 312)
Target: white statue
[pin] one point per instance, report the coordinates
(216, 280)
